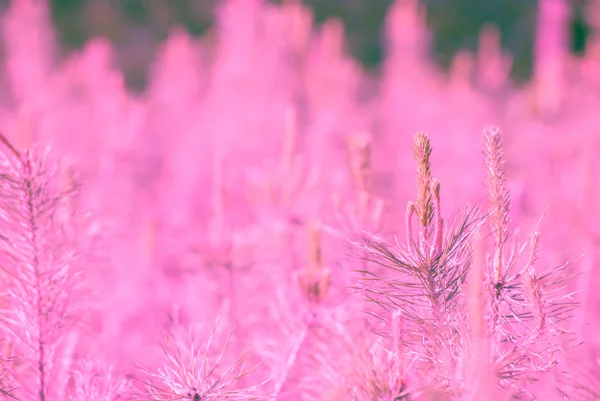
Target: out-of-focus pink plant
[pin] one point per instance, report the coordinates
(93, 381)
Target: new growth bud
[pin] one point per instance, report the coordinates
(498, 195)
(360, 161)
(315, 280)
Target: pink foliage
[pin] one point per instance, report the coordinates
(266, 182)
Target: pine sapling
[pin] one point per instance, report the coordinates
(41, 297)
(423, 280)
(527, 311)
(314, 281)
(197, 374)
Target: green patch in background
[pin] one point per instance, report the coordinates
(454, 24)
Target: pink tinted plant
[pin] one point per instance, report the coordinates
(93, 381)
(197, 373)
(426, 281)
(41, 298)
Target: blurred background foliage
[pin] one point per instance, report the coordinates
(136, 26)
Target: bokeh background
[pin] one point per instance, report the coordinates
(206, 166)
(135, 27)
